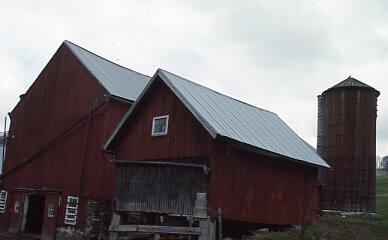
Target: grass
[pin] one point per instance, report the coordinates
(336, 227)
(382, 196)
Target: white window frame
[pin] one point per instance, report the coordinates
(155, 134)
(50, 210)
(71, 211)
(3, 200)
(16, 207)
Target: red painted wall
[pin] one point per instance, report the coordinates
(186, 137)
(247, 187)
(50, 223)
(62, 94)
(255, 188)
(15, 217)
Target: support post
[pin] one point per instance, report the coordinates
(219, 220)
(157, 236)
(115, 221)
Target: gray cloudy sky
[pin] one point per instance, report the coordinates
(278, 56)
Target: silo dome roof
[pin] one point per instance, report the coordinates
(353, 83)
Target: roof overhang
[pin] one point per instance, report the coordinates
(254, 149)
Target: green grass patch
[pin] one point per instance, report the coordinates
(382, 197)
(337, 227)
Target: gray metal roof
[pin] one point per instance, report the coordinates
(117, 80)
(352, 82)
(227, 117)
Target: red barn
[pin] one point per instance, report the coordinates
(184, 150)
(55, 179)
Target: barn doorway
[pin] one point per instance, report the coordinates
(33, 219)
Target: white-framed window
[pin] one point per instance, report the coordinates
(50, 210)
(71, 210)
(3, 200)
(16, 207)
(159, 125)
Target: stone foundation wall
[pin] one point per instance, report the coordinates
(69, 233)
(98, 218)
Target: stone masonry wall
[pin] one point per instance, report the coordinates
(98, 218)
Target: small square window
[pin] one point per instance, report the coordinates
(50, 211)
(160, 125)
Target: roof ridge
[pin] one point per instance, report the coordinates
(235, 99)
(69, 42)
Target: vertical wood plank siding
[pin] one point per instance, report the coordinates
(255, 188)
(158, 189)
(186, 137)
(63, 93)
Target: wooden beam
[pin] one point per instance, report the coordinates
(161, 163)
(156, 229)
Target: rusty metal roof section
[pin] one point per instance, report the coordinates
(226, 117)
(117, 80)
(352, 82)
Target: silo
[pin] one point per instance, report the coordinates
(384, 163)
(347, 141)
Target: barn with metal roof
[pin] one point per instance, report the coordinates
(181, 152)
(247, 162)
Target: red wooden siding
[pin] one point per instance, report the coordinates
(186, 137)
(247, 187)
(99, 174)
(62, 94)
(251, 187)
(15, 217)
(50, 223)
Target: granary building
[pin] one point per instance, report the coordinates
(55, 179)
(184, 150)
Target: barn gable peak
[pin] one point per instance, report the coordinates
(119, 81)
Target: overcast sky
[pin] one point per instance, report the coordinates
(278, 56)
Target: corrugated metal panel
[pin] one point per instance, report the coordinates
(226, 116)
(116, 79)
(158, 189)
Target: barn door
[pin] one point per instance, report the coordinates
(158, 188)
